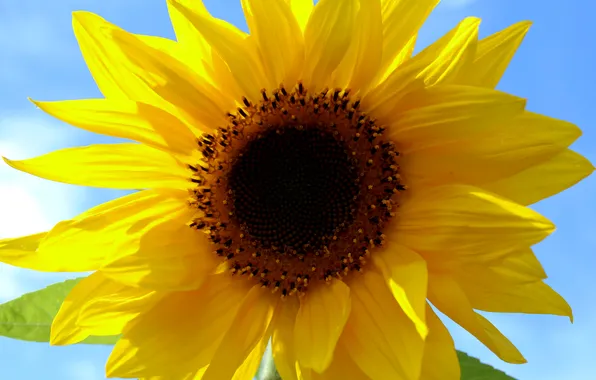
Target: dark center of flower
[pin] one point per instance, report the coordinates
(296, 189)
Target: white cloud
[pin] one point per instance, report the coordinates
(22, 134)
(23, 212)
(84, 370)
(29, 204)
(10, 285)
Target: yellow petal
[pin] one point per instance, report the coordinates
(173, 81)
(108, 313)
(506, 286)
(144, 73)
(111, 83)
(440, 360)
(451, 54)
(448, 297)
(24, 251)
(195, 375)
(342, 367)
(196, 50)
(282, 339)
(383, 100)
(181, 53)
(379, 336)
(506, 260)
(116, 166)
(275, 26)
(403, 55)
(320, 320)
(401, 21)
(250, 22)
(126, 119)
(252, 362)
(441, 114)
(106, 232)
(544, 180)
(361, 63)
(186, 33)
(439, 63)
(532, 298)
(464, 220)
(493, 56)
(519, 266)
(251, 328)
(327, 38)
(406, 275)
(302, 10)
(64, 328)
(501, 150)
(98, 306)
(522, 266)
(230, 44)
(162, 44)
(21, 251)
(180, 335)
(167, 256)
(224, 77)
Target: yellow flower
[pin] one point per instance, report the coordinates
(312, 183)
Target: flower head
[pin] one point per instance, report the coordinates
(312, 183)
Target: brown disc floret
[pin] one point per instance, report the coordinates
(296, 189)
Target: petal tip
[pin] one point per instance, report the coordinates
(79, 16)
(176, 4)
(525, 25)
(84, 19)
(35, 102)
(514, 358)
(8, 162)
(54, 339)
(113, 367)
(471, 21)
(58, 338)
(111, 371)
(567, 311)
(549, 227)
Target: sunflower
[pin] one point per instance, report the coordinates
(312, 183)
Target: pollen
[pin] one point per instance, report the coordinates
(296, 188)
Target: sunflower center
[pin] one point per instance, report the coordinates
(296, 189)
(293, 187)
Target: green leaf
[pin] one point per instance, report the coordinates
(30, 316)
(474, 369)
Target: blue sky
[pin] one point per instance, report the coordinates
(554, 70)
